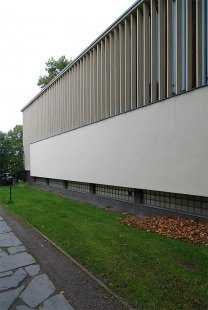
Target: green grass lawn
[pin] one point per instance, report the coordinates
(147, 270)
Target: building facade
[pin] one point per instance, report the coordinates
(126, 123)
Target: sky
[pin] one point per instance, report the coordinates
(32, 31)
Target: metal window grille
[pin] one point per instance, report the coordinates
(78, 186)
(41, 181)
(180, 202)
(56, 183)
(115, 192)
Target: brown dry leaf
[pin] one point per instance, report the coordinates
(195, 231)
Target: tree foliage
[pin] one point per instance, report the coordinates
(53, 68)
(4, 154)
(11, 154)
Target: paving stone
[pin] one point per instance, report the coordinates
(39, 289)
(12, 281)
(56, 302)
(23, 307)
(2, 253)
(15, 261)
(16, 249)
(7, 235)
(32, 270)
(9, 240)
(4, 228)
(7, 298)
(4, 274)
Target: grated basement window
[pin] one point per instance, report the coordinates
(179, 202)
(115, 192)
(78, 186)
(56, 183)
(41, 181)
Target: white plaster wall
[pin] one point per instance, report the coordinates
(161, 147)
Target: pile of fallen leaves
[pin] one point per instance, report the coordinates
(186, 229)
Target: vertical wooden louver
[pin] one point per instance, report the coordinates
(153, 51)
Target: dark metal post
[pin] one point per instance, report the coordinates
(10, 193)
(10, 181)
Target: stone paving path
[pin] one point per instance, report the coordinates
(22, 284)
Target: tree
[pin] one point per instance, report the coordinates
(11, 154)
(4, 156)
(53, 67)
(16, 163)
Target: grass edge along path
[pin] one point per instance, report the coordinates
(147, 270)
